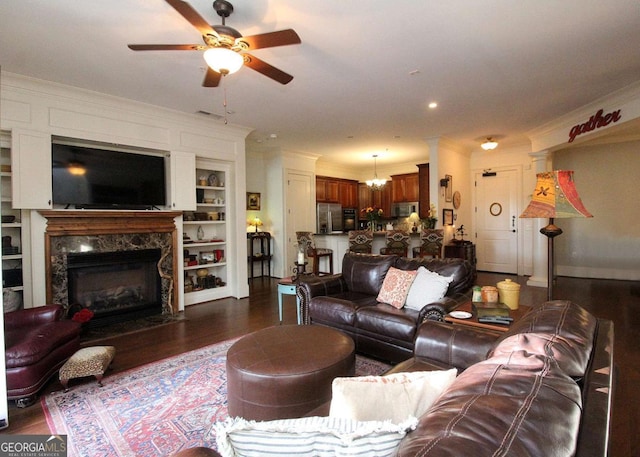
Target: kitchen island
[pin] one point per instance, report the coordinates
(339, 243)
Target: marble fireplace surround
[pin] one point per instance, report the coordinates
(70, 231)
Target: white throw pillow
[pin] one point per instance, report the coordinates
(427, 287)
(309, 436)
(394, 397)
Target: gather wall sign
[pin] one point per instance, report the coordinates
(595, 122)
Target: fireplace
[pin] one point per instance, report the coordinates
(74, 238)
(117, 286)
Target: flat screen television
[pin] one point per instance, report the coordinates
(86, 177)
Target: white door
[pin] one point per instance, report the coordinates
(497, 221)
(300, 213)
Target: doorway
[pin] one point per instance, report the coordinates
(496, 220)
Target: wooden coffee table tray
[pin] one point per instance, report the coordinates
(516, 314)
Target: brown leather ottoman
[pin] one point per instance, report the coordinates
(286, 371)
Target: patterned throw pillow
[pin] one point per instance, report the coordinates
(397, 396)
(309, 436)
(396, 287)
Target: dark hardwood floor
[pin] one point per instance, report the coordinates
(217, 321)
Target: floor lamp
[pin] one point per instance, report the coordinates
(555, 196)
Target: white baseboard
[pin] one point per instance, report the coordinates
(598, 273)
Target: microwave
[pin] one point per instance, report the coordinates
(404, 209)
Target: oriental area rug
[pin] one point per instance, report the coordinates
(152, 410)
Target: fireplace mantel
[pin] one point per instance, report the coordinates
(91, 222)
(78, 223)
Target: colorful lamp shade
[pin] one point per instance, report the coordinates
(555, 196)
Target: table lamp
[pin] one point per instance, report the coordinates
(555, 196)
(255, 222)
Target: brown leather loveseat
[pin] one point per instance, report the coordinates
(347, 302)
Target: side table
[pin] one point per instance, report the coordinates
(286, 286)
(263, 241)
(462, 250)
(467, 306)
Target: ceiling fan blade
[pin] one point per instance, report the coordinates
(212, 78)
(268, 70)
(166, 47)
(271, 39)
(192, 16)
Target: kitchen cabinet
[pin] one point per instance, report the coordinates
(348, 193)
(423, 193)
(405, 187)
(336, 190)
(327, 190)
(381, 198)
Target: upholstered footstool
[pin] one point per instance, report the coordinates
(90, 361)
(286, 371)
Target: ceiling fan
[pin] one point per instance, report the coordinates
(226, 50)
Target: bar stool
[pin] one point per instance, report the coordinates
(306, 239)
(286, 286)
(431, 241)
(397, 243)
(360, 241)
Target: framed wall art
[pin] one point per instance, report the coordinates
(253, 201)
(447, 217)
(448, 191)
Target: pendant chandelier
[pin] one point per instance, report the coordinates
(375, 183)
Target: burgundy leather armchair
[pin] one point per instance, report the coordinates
(37, 343)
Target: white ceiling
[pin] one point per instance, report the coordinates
(364, 73)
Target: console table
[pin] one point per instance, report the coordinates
(259, 251)
(462, 250)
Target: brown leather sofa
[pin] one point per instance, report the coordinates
(543, 388)
(347, 302)
(37, 343)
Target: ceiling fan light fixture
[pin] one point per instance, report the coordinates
(489, 145)
(223, 60)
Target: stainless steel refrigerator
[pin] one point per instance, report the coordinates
(329, 218)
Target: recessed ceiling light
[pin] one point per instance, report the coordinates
(433, 105)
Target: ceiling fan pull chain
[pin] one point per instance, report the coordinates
(224, 105)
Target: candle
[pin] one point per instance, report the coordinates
(300, 257)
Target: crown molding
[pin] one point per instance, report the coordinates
(554, 134)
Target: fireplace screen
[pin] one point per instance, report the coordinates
(116, 286)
